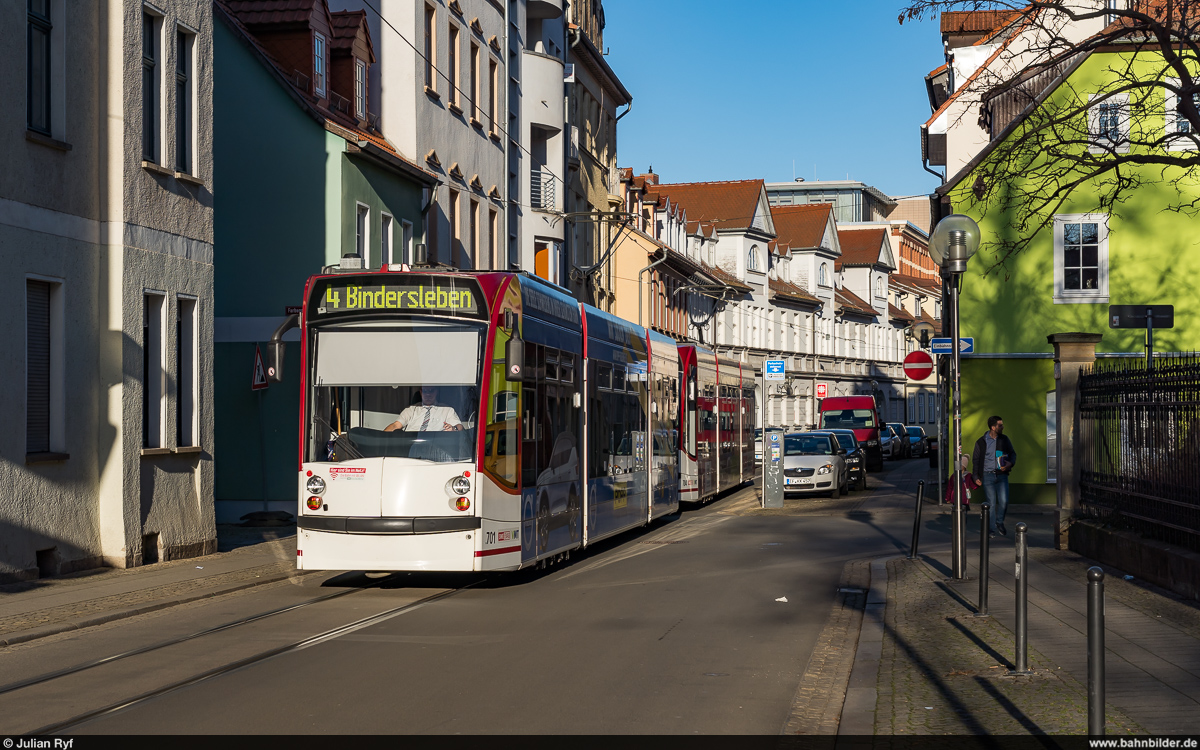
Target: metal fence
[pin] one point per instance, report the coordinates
(542, 189)
(1139, 446)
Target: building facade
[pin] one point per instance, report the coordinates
(106, 227)
(595, 95)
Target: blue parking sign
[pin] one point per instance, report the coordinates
(773, 369)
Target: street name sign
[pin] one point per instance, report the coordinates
(1136, 316)
(918, 365)
(966, 345)
(773, 369)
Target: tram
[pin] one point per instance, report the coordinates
(476, 421)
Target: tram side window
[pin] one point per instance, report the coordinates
(531, 423)
(599, 378)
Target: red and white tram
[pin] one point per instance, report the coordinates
(455, 421)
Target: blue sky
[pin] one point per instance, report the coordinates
(739, 90)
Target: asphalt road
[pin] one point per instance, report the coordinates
(680, 628)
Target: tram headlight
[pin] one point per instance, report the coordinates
(459, 486)
(825, 469)
(316, 485)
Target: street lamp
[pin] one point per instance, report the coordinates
(954, 240)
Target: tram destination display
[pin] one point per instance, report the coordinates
(389, 294)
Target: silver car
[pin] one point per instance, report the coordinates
(814, 463)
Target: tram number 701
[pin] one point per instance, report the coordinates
(489, 537)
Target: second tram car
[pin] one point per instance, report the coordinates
(457, 421)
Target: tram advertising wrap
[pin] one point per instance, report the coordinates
(423, 447)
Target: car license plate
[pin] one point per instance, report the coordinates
(801, 482)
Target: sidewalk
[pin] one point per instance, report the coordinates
(37, 609)
(939, 669)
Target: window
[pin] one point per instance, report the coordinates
(150, 88)
(406, 242)
(385, 240)
(912, 409)
(1081, 258)
(493, 87)
(38, 83)
(361, 231)
(452, 70)
(879, 287)
(319, 64)
(752, 259)
(823, 275)
(1108, 123)
(430, 47)
(474, 236)
(153, 369)
(1179, 131)
(475, 90)
(455, 240)
(45, 428)
(494, 240)
(360, 89)
(187, 381)
(183, 102)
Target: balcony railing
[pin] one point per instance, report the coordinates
(542, 190)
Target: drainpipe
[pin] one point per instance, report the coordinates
(647, 268)
(628, 107)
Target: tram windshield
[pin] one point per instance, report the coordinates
(405, 389)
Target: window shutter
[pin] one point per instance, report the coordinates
(37, 372)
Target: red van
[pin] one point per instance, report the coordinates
(855, 413)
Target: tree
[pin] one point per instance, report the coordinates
(1129, 119)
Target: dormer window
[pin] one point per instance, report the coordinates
(319, 64)
(823, 275)
(360, 89)
(752, 262)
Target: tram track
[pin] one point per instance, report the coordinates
(242, 663)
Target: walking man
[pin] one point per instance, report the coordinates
(993, 458)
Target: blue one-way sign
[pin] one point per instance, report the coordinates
(966, 345)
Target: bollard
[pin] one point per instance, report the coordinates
(1022, 572)
(984, 557)
(912, 552)
(1095, 685)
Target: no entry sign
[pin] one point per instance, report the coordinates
(918, 365)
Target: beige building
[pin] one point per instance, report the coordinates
(593, 98)
(106, 228)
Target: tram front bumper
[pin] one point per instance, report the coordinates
(333, 550)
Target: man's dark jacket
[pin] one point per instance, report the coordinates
(1002, 443)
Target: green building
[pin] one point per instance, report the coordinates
(1077, 256)
(304, 177)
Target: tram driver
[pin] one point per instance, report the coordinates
(427, 415)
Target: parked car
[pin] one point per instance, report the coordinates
(856, 457)
(887, 442)
(917, 440)
(814, 462)
(856, 413)
(902, 434)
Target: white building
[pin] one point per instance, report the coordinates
(106, 230)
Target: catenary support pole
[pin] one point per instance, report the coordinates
(984, 552)
(1022, 571)
(1095, 646)
(916, 538)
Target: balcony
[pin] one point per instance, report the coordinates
(543, 190)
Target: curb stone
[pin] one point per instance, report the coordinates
(817, 705)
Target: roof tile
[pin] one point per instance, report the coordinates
(729, 205)
(801, 226)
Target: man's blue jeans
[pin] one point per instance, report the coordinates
(995, 490)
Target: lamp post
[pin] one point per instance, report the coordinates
(954, 240)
